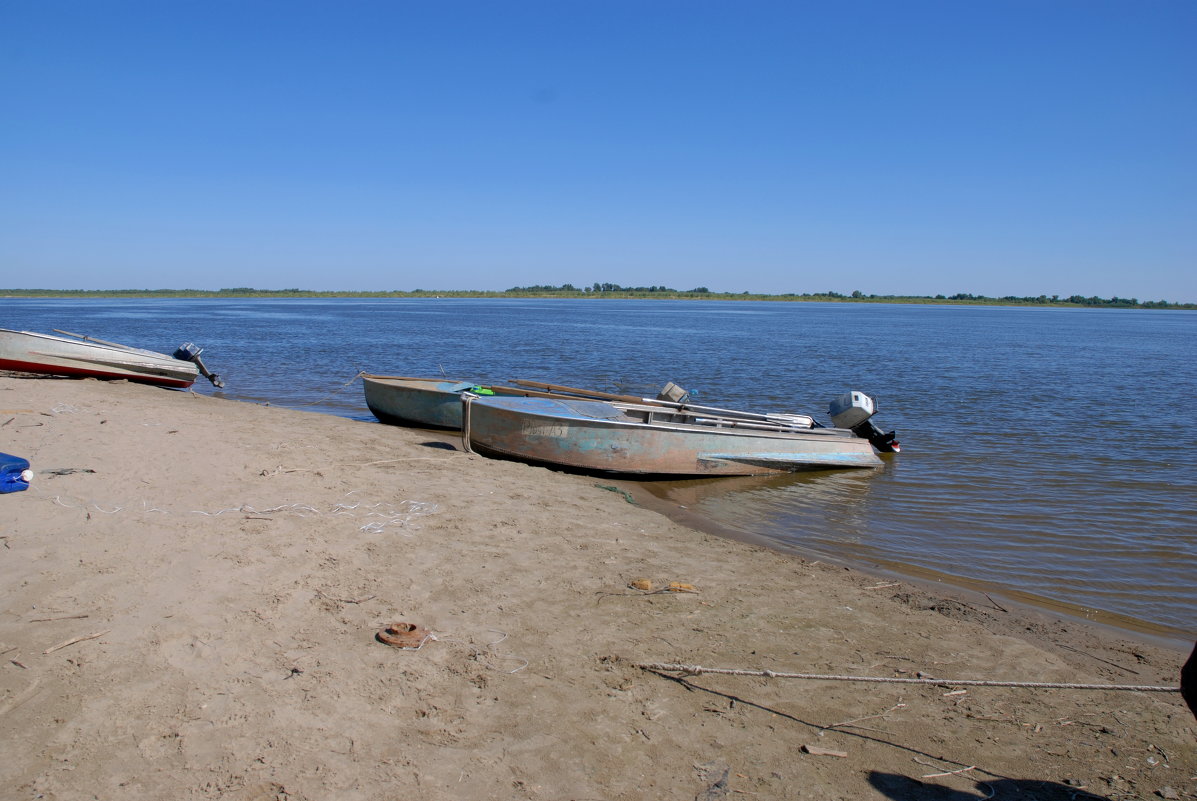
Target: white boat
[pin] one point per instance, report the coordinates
(84, 356)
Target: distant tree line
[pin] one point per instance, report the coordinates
(1043, 300)
(606, 290)
(857, 295)
(599, 288)
(1076, 300)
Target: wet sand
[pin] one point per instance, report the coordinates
(191, 591)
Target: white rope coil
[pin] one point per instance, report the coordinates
(697, 670)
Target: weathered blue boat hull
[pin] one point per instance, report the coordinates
(424, 402)
(431, 402)
(598, 436)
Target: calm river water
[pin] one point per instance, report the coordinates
(1048, 454)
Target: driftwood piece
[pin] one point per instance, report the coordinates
(61, 645)
(817, 751)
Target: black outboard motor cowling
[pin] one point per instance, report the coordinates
(191, 353)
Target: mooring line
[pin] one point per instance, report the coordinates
(697, 670)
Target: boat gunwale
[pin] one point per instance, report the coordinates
(120, 364)
(82, 342)
(685, 428)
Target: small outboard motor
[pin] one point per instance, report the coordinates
(853, 412)
(673, 394)
(190, 353)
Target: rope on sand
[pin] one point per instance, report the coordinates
(696, 670)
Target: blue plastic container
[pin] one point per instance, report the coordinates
(14, 473)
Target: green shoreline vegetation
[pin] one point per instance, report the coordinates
(607, 290)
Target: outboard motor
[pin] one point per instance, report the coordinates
(672, 393)
(853, 412)
(190, 353)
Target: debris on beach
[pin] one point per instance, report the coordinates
(408, 636)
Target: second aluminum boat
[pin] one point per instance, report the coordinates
(644, 439)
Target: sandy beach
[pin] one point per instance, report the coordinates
(192, 588)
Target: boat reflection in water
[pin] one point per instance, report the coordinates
(832, 515)
(823, 512)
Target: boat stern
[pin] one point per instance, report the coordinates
(854, 411)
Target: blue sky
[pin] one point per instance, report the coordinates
(996, 148)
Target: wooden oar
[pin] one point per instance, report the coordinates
(533, 393)
(585, 393)
(412, 378)
(93, 339)
(704, 419)
(686, 407)
(498, 389)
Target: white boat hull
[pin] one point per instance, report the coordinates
(29, 352)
